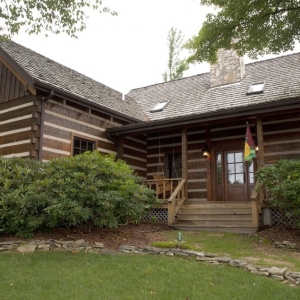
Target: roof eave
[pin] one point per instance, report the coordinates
(251, 110)
(83, 101)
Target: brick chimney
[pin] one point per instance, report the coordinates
(229, 69)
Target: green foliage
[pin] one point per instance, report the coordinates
(54, 16)
(18, 214)
(259, 26)
(84, 191)
(282, 182)
(176, 66)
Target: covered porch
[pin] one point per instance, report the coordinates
(211, 192)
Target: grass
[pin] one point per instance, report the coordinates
(57, 275)
(259, 252)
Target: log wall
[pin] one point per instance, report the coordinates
(19, 127)
(281, 136)
(64, 120)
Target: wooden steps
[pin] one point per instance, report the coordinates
(233, 217)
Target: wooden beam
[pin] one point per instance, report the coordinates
(184, 156)
(260, 143)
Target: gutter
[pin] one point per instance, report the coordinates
(83, 101)
(108, 135)
(44, 100)
(244, 111)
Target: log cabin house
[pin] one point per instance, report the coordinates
(185, 138)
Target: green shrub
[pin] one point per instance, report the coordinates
(282, 183)
(18, 214)
(84, 191)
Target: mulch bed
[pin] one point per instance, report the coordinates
(144, 234)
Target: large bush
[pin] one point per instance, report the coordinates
(85, 191)
(282, 183)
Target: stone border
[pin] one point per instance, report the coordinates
(291, 278)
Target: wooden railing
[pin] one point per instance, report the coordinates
(176, 200)
(163, 187)
(256, 203)
(170, 194)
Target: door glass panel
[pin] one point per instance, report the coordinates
(239, 168)
(238, 157)
(219, 168)
(239, 178)
(230, 158)
(231, 179)
(230, 168)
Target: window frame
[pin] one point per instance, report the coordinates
(82, 138)
(154, 109)
(263, 83)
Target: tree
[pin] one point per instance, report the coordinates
(176, 66)
(54, 16)
(258, 27)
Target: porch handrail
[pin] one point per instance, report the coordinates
(256, 201)
(176, 200)
(165, 181)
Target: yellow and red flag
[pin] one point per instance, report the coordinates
(249, 152)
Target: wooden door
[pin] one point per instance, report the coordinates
(235, 180)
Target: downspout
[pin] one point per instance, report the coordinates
(108, 134)
(44, 100)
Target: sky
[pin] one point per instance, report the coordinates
(127, 51)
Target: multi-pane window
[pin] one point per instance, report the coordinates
(174, 165)
(81, 145)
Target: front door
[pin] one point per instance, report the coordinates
(235, 180)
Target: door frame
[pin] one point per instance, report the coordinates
(219, 192)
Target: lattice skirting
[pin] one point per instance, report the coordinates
(157, 214)
(281, 217)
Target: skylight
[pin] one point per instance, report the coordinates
(159, 106)
(256, 88)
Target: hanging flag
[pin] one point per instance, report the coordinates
(249, 152)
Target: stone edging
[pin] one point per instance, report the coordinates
(291, 278)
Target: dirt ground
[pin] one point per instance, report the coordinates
(144, 234)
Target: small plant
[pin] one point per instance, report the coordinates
(153, 220)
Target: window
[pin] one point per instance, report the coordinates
(159, 106)
(174, 165)
(256, 88)
(81, 145)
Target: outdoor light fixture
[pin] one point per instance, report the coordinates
(205, 150)
(179, 239)
(256, 148)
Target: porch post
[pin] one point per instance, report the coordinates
(184, 159)
(260, 154)
(260, 142)
(121, 148)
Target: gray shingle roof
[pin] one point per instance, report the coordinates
(193, 95)
(53, 74)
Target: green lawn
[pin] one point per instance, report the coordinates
(57, 275)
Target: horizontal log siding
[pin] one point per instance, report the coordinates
(62, 119)
(10, 87)
(281, 136)
(197, 165)
(19, 127)
(135, 154)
